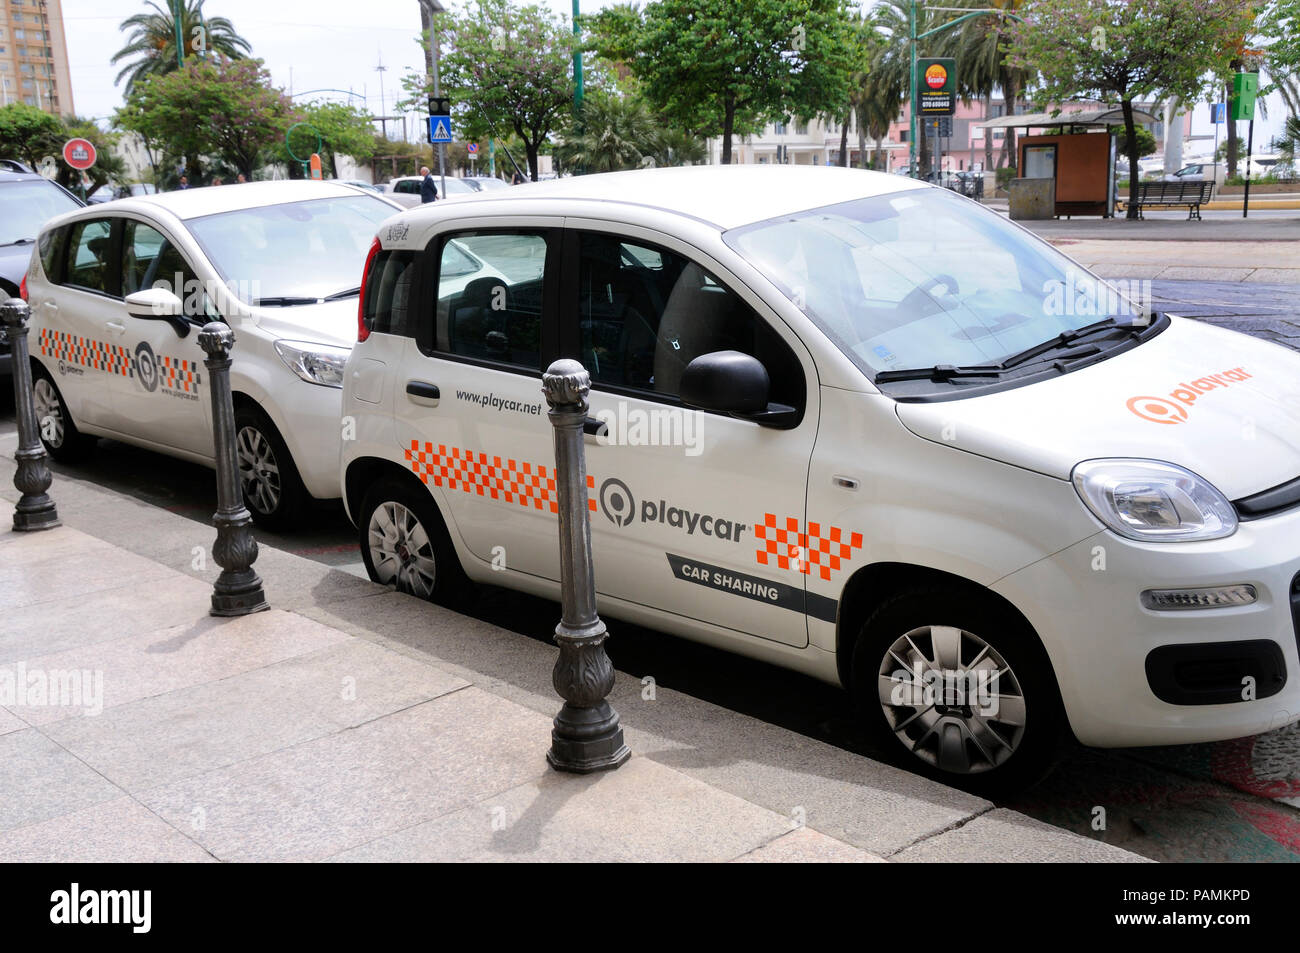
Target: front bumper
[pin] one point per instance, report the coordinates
(1085, 604)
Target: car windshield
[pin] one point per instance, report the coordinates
(26, 205)
(293, 251)
(924, 277)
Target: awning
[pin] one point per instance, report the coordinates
(1108, 116)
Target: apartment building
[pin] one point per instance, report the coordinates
(34, 56)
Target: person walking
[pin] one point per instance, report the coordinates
(428, 189)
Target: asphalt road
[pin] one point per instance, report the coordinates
(1233, 801)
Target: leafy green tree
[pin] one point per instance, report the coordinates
(150, 48)
(722, 68)
(507, 69)
(242, 115)
(1127, 50)
(29, 134)
(1146, 142)
(344, 130)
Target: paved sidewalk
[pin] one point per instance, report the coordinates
(351, 722)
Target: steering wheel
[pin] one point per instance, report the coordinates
(920, 302)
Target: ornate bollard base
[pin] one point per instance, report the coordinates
(586, 736)
(238, 593)
(35, 513)
(585, 740)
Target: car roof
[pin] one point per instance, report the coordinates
(724, 196)
(198, 201)
(6, 176)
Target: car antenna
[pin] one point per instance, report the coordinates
(504, 149)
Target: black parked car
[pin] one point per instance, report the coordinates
(27, 201)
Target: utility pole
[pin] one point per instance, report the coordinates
(178, 8)
(383, 110)
(427, 10)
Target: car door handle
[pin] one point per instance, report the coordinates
(422, 392)
(594, 427)
(115, 327)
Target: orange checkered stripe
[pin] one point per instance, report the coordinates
(789, 548)
(97, 355)
(177, 373)
(528, 484)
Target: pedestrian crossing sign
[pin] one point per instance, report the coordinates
(440, 129)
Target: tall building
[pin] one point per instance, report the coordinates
(34, 56)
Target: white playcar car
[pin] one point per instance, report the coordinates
(854, 425)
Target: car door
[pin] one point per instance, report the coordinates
(698, 514)
(165, 401)
(76, 324)
(469, 412)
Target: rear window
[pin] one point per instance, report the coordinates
(386, 309)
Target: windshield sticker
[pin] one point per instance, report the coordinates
(1174, 409)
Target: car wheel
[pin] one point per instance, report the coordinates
(405, 544)
(62, 440)
(959, 689)
(273, 491)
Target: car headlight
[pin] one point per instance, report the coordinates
(314, 363)
(1153, 501)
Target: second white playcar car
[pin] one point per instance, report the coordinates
(119, 291)
(854, 425)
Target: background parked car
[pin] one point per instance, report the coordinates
(27, 201)
(405, 189)
(484, 183)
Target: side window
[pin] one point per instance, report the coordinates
(50, 244)
(88, 252)
(645, 313)
(388, 293)
(490, 297)
(149, 260)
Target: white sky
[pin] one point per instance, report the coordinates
(336, 44)
(326, 43)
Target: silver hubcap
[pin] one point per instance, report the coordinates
(48, 415)
(258, 472)
(951, 699)
(400, 550)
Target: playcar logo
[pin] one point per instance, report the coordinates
(620, 508)
(146, 367)
(1158, 410)
(1175, 409)
(617, 502)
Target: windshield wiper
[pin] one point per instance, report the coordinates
(1062, 350)
(1067, 339)
(287, 301)
(346, 293)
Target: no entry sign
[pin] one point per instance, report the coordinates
(79, 153)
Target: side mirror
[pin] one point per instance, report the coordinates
(734, 383)
(158, 304)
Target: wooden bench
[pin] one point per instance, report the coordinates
(1174, 194)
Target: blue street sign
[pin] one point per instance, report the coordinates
(440, 129)
(1217, 111)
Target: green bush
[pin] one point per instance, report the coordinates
(1005, 175)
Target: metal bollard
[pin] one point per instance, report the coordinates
(35, 510)
(586, 736)
(238, 590)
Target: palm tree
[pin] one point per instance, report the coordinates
(151, 39)
(614, 133)
(980, 49)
